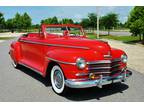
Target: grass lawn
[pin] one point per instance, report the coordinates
(6, 38)
(126, 39)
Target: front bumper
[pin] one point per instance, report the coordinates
(99, 82)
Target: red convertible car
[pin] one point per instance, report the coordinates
(71, 60)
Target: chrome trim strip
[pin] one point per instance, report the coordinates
(104, 61)
(58, 45)
(101, 72)
(61, 61)
(115, 65)
(85, 74)
(97, 68)
(99, 62)
(35, 70)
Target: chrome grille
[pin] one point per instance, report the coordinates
(105, 67)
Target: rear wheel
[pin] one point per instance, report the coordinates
(57, 80)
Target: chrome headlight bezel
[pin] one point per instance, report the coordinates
(124, 58)
(81, 63)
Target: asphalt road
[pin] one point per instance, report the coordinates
(25, 85)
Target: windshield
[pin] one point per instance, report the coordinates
(72, 31)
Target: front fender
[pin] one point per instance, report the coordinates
(67, 61)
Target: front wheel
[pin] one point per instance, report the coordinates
(57, 80)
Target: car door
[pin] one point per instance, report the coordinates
(33, 51)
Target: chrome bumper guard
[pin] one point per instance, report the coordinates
(99, 82)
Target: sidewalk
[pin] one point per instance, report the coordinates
(1, 41)
(135, 54)
(9, 34)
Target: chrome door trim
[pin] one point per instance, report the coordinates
(58, 45)
(69, 63)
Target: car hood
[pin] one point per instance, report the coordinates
(83, 43)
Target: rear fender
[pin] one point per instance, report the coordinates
(15, 51)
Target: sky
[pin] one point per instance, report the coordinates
(37, 13)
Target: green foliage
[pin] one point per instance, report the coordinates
(26, 21)
(10, 24)
(53, 20)
(136, 21)
(108, 21)
(85, 23)
(19, 22)
(93, 19)
(35, 26)
(2, 21)
(66, 21)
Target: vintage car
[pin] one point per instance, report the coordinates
(69, 59)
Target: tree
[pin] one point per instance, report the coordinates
(10, 24)
(53, 20)
(66, 21)
(35, 26)
(85, 22)
(136, 21)
(92, 20)
(108, 21)
(17, 21)
(26, 21)
(2, 21)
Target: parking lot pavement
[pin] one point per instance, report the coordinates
(135, 54)
(25, 85)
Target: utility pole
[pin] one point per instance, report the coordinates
(97, 9)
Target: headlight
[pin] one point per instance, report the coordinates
(81, 63)
(124, 58)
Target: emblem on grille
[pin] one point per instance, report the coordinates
(108, 55)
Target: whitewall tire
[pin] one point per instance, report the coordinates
(57, 80)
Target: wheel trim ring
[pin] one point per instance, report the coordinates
(58, 91)
(58, 80)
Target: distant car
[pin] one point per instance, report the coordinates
(69, 58)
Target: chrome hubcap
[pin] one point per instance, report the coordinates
(58, 79)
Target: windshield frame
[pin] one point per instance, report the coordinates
(82, 33)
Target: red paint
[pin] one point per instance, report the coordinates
(38, 47)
